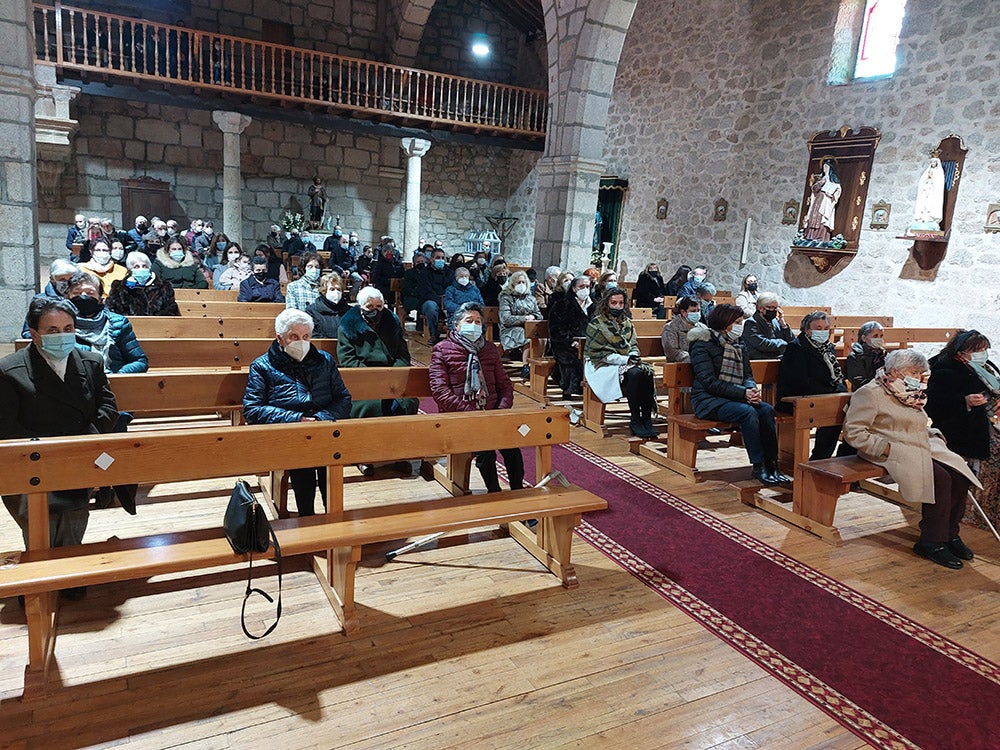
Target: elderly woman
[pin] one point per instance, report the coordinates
(178, 267)
(461, 290)
(650, 290)
(568, 322)
(545, 288)
(103, 266)
(303, 291)
(766, 334)
(809, 367)
(329, 308)
(517, 307)
(465, 375)
(102, 331)
(141, 292)
(296, 382)
(687, 314)
(48, 389)
(747, 298)
(887, 424)
(724, 389)
(561, 292)
(614, 368)
(867, 355)
(371, 336)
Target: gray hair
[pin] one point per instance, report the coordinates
(135, 255)
(552, 271)
(462, 271)
(900, 359)
(808, 320)
(464, 309)
(369, 292)
(513, 281)
(867, 328)
(706, 288)
(60, 267)
(766, 298)
(291, 317)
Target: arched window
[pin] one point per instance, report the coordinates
(882, 22)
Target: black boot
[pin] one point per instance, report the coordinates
(647, 421)
(635, 421)
(762, 475)
(487, 466)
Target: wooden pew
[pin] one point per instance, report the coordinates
(818, 485)
(52, 464)
(795, 313)
(901, 338)
(204, 295)
(685, 431)
(650, 348)
(215, 309)
(169, 327)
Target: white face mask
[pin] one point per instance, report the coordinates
(736, 331)
(297, 350)
(583, 293)
(877, 343)
(520, 288)
(102, 257)
(462, 281)
(334, 295)
(980, 358)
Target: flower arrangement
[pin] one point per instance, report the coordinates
(292, 222)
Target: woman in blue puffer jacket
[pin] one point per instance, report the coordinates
(102, 331)
(296, 382)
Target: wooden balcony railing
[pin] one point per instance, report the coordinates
(118, 47)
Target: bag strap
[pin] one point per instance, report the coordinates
(252, 590)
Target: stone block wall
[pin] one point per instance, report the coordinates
(365, 186)
(722, 100)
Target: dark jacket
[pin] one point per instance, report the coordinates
(431, 283)
(360, 345)
(491, 292)
(125, 354)
(183, 275)
(803, 372)
(411, 298)
(252, 290)
(279, 389)
(568, 322)
(862, 364)
(449, 362)
(156, 298)
(341, 257)
(383, 272)
(326, 318)
(647, 287)
(708, 392)
(967, 430)
(762, 338)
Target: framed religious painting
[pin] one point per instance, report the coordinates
(880, 215)
(790, 213)
(993, 218)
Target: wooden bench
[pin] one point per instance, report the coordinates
(205, 295)
(180, 354)
(50, 464)
(901, 338)
(167, 327)
(818, 485)
(215, 309)
(594, 410)
(685, 431)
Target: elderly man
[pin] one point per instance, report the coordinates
(544, 289)
(766, 334)
(76, 235)
(60, 272)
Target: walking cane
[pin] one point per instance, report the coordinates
(985, 517)
(390, 556)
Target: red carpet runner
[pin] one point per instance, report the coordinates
(886, 678)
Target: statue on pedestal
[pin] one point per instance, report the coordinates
(929, 209)
(823, 203)
(317, 203)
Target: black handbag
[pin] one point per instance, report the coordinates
(249, 531)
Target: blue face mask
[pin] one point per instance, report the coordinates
(470, 331)
(177, 255)
(141, 275)
(222, 245)
(820, 337)
(312, 274)
(439, 264)
(693, 317)
(58, 345)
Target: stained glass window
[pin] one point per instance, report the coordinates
(880, 29)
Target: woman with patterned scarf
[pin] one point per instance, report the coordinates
(887, 424)
(613, 367)
(809, 367)
(465, 375)
(724, 389)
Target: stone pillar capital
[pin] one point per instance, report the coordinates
(415, 146)
(231, 122)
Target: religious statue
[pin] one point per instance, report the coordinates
(823, 203)
(317, 203)
(929, 210)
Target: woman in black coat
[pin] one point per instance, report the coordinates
(568, 322)
(808, 368)
(329, 307)
(650, 290)
(867, 355)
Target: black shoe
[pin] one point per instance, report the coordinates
(366, 470)
(937, 553)
(526, 372)
(636, 428)
(403, 467)
(957, 547)
(74, 594)
(762, 475)
(427, 471)
(713, 431)
(777, 475)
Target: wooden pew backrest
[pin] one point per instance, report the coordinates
(214, 309)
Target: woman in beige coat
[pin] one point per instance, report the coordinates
(887, 424)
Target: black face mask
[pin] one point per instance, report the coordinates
(502, 279)
(770, 314)
(142, 227)
(260, 275)
(751, 287)
(371, 316)
(88, 307)
(616, 312)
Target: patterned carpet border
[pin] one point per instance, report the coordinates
(903, 624)
(847, 713)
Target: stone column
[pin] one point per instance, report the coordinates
(19, 261)
(414, 148)
(565, 208)
(232, 124)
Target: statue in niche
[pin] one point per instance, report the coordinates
(929, 210)
(823, 203)
(317, 203)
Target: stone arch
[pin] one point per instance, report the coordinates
(407, 19)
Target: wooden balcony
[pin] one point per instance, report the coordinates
(108, 47)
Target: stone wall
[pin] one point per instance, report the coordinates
(365, 185)
(721, 102)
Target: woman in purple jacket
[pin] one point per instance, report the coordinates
(466, 374)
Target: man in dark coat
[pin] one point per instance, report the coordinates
(51, 388)
(431, 283)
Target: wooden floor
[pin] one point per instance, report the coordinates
(465, 645)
